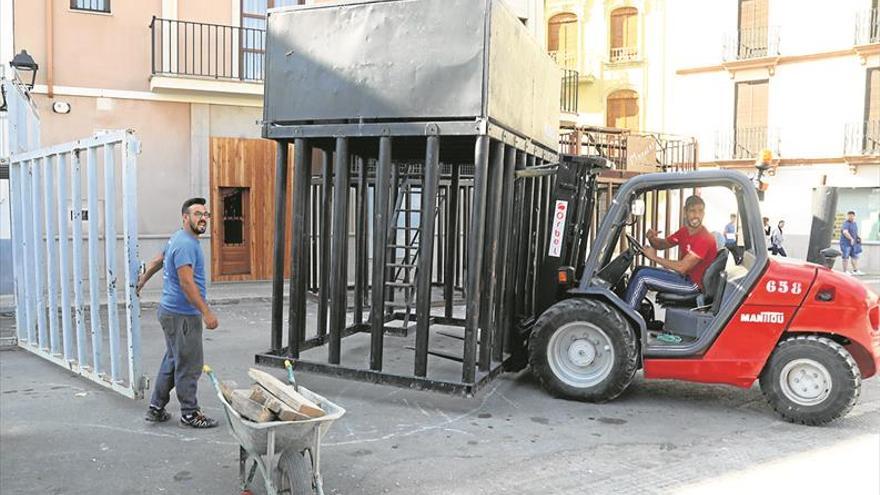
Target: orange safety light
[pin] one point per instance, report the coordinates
(565, 276)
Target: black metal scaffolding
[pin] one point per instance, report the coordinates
(379, 198)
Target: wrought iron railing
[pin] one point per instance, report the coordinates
(569, 97)
(749, 43)
(742, 143)
(564, 59)
(862, 138)
(198, 49)
(635, 151)
(867, 27)
(624, 54)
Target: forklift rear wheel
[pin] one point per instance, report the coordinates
(584, 350)
(811, 380)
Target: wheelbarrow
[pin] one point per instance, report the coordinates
(287, 453)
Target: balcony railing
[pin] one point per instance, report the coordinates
(751, 43)
(862, 138)
(212, 51)
(632, 151)
(745, 143)
(569, 97)
(564, 59)
(867, 27)
(624, 54)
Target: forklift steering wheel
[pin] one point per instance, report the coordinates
(634, 243)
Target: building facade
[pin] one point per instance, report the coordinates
(799, 78)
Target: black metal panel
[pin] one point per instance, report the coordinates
(426, 255)
(339, 245)
(278, 249)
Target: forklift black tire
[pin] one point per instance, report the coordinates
(811, 380)
(583, 349)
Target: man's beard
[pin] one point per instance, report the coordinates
(198, 228)
(694, 223)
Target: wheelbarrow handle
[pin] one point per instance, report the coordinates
(210, 372)
(290, 377)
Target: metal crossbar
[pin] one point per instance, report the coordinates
(47, 216)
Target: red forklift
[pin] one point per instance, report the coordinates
(808, 334)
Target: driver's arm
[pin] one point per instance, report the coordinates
(658, 242)
(682, 266)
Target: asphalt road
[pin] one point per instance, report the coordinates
(59, 434)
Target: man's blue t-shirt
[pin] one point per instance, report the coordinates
(183, 249)
(853, 230)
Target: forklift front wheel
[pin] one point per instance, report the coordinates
(584, 350)
(811, 380)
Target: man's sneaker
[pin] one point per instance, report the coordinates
(858, 272)
(157, 414)
(197, 420)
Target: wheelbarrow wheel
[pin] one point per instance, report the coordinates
(296, 473)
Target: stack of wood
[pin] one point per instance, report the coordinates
(270, 399)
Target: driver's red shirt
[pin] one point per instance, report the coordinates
(702, 244)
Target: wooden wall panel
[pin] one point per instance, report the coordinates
(250, 163)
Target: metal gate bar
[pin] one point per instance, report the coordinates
(42, 182)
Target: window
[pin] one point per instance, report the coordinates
(562, 43)
(865, 201)
(91, 5)
(750, 120)
(623, 110)
(624, 34)
(753, 34)
(253, 35)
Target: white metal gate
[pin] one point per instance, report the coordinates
(58, 267)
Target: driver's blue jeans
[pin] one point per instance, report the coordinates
(659, 280)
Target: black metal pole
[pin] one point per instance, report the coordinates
(475, 259)
(360, 240)
(380, 241)
(326, 219)
(431, 181)
(508, 257)
(451, 240)
(339, 236)
(278, 249)
(490, 265)
(299, 261)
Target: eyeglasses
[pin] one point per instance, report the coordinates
(201, 214)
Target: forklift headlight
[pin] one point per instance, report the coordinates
(565, 276)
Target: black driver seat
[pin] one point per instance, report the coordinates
(713, 286)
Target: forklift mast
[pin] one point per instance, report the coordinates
(573, 200)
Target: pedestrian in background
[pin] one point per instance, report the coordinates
(850, 244)
(730, 232)
(777, 240)
(182, 309)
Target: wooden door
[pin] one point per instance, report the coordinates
(234, 221)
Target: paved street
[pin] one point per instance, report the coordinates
(61, 435)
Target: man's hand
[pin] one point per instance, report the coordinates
(140, 284)
(652, 237)
(210, 320)
(649, 253)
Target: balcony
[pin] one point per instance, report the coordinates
(745, 143)
(569, 96)
(867, 27)
(196, 56)
(623, 55)
(634, 152)
(564, 59)
(751, 43)
(862, 138)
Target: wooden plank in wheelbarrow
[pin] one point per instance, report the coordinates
(246, 407)
(286, 394)
(282, 410)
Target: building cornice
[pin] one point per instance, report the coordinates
(771, 62)
(242, 100)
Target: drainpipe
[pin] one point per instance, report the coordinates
(49, 54)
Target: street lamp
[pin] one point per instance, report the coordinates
(24, 63)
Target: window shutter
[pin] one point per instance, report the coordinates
(873, 112)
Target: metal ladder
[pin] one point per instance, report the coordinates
(403, 254)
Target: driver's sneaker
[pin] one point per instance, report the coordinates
(858, 272)
(157, 414)
(197, 420)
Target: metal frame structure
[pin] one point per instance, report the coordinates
(478, 172)
(50, 283)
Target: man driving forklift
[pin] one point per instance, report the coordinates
(697, 249)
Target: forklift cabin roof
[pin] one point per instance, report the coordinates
(438, 61)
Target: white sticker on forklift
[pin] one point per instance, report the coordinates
(556, 235)
(762, 317)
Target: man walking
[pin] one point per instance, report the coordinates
(182, 309)
(850, 243)
(777, 238)
(730, 232)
